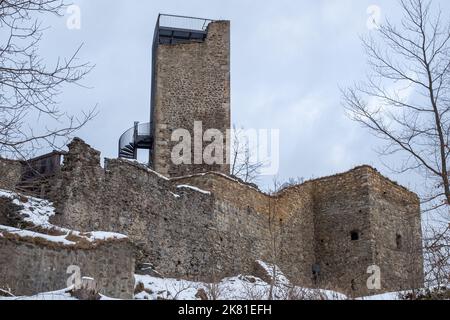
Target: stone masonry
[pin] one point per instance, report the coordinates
(192, 84)
(10, 173)
(194, 221)
(30, 266)
(208, 226)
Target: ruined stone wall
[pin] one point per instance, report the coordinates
(181, 231)
(374, 209)
(281, 228)
(10, 173)
(241, 195)
(277, 229)
(221, 230)
(9, 213)
(397, 234)
(341, 206)
(312, 225)
(243, 238)
(192, 84)
(77, 188)
(29, 267)
(295, 208)
(171, 227)
(129, 199)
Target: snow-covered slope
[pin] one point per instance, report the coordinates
(37, 213)
(234, 288)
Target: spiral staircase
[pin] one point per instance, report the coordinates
(169, 30)
(135, 138)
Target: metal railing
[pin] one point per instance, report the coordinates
(193, 26)
(130, 140)
(183, 22)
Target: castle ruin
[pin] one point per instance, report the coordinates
(196, 221)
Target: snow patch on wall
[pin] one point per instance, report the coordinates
(185, 186)
(38, 212)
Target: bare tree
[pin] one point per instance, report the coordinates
(436, 267)
(213, 290)
(275, 233)
(28, 87)
(406, 98)
(243, 164)
(437, 258)
(405, 101)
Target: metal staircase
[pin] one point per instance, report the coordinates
(169, 30)
(137, 137)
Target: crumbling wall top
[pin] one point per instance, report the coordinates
(80, 151)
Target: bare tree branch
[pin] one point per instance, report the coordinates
(406, 98)
(243, 165)
(28, 87)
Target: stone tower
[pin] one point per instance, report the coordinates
(190, 87)
(365, 224)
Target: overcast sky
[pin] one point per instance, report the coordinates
(289, 59)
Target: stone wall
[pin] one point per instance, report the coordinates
(35, 262)
(342, 207)
(357, 216)
(244, 196)
(396, 220)
(10, 173)
(8, 213)
(295, 208)
(181, 231)
(309, 228)
(130, 199)
(76, 187)
(280, 228)
(192, 84)
(221, 227)
(29, 267)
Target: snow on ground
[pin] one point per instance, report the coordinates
(35, 211)
(386, 296)
(54, 295)
(423, 293)
(239, 288)
(38, 212)
(234, 288)
(272, 270)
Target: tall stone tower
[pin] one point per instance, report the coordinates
(190, 87)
